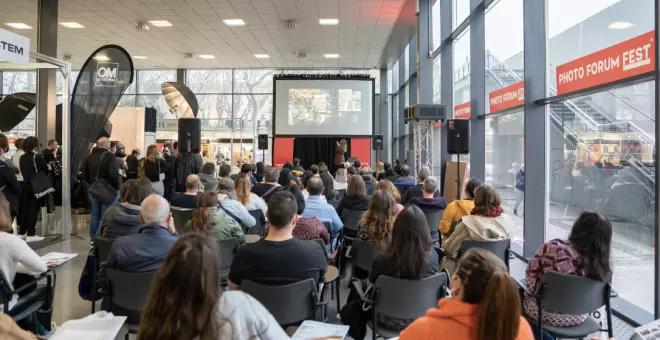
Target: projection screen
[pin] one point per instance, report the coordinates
(327, 107)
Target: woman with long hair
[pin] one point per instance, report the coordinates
(585, 253)
(409, 256)
(153, 167)
(388, 186)
(207, 220)
(485, 305)
(486, 222)
(285, 178)
(187, 301)
(328, 184)
(356, 197)
(376, 224)
(341, 179)
(250, 200)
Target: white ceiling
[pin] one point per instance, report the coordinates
(364, 26)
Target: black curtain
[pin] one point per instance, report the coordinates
(314, 150)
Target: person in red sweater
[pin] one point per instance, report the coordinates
(485, 305)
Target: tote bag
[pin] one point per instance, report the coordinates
(100, 189)
(41, 185)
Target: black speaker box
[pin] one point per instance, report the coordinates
(263, 142)
(190, 135)
(377, 142)
(458, 136)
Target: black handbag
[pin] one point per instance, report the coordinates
(41, 185)
(100, 189)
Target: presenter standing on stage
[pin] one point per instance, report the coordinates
(340, 150)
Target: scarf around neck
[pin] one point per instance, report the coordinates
(493, 211)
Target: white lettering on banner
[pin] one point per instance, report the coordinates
(631, 59)
(636, 57)
(14, 48)
(106, 74)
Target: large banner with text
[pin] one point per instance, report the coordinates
(507, 97)
(463, 111)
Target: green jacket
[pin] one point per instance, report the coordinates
(222, 227)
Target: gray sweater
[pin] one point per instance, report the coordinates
(240, 316)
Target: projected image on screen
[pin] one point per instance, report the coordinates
(323, 107)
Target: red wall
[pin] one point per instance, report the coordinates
(282, 151)
(361, 149)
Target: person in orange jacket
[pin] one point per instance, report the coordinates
(458, 208)
(485, 305)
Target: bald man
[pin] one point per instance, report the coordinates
(188, 199)
(101, 165)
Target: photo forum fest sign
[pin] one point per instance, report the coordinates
(14, 48)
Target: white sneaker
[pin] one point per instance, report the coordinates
(34, 238)
(22, 237)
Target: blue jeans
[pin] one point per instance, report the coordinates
(98, 210)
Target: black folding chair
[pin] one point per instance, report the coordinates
(181, 216)
(363, 256)
(575, 295)
(129, 291)
(260, 227)
(500, 248)
(403, 299)
(227, 249)
(290, 304)
(351, 219)
(28, 305)
(433, 219)
(102, 247)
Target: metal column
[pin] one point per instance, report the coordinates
(399, 114)
(477, 90)
(446, 80)
(384, 116)
(536, 127)
(656, 160)
(46, 78)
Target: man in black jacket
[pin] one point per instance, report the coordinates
(416, 191)
(49, 152)
(133, 164)
(170, 171)
(105, 164)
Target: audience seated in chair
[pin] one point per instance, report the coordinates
(258, 172)
(315, 207)
(341, 179)
(376, 224)
(232, 207)
(405, 175)
(123, 218)
(485, 305)
(285, 178)
(270, 186)
(224, 171)
(307, 227)
(486, 222)
(297, 166)
(187, 300)
(585, 253)
(249, 200)
(207, 177)
(388, 186)
(188, 199)
(209, 221)
(369, 180)
(389, 174)
(279, 258)
(459, 208)
(246, 169)
(429, 203)
(416, 191)
(305, 180)
(293, 178)
(409, 256)
(328, 184)
(356, 197)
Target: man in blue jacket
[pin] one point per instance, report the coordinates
(520, 188)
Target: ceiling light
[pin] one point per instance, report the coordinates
(101, 58)
(620, 25)
(71, 25)
(18, 25)
(331, 56)
(139, 57)
(234, 22)
(329, 21)
(261, 56)
(207, 56)
(160, 23)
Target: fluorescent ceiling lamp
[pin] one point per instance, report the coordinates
(620, 25)
(329, 21)
(331, 56)
(261, 56)
(18, 25)
(101, 58)
(71, 25)
(160, 23)
(207, 56)
(234, 22)
(139, 57)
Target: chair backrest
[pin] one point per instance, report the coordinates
(259, 216)
(571, 294)
(181, 216)
(102, 248)
(227, 249)
(6, 289)
(498, 247)
(328, 226)
(289, 304)
(351, 218)
(341, 193)
(409, 299)
(364, 253)
(129, 290)
(433, 219)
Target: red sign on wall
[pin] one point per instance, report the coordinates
(507, 97)
(627, 59)
(463, 111)
(282, 151)
(361, 149)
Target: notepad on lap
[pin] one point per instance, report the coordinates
(314, 329)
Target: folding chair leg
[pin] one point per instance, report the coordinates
(337, 283)
(126, 337)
